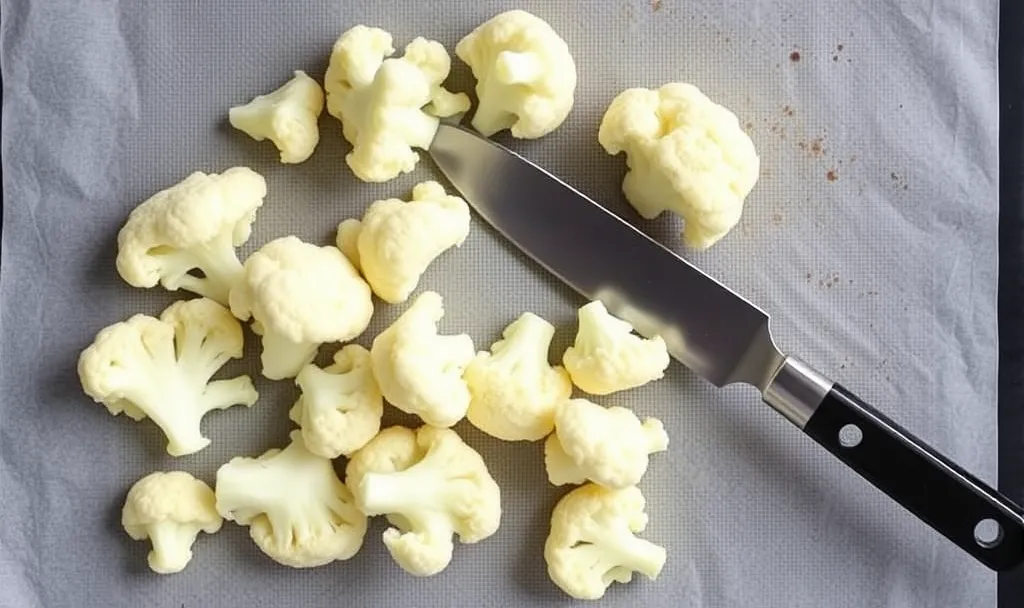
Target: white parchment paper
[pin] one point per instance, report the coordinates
(871, 239)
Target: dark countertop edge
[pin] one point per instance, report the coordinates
(1011, 274)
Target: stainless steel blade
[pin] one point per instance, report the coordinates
(707, 327)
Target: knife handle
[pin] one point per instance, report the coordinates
(980, 520)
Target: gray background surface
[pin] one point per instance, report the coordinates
(885, 278)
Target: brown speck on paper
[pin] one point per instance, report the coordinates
(809, 275)
(830, 280)
(794, 56)
(839, 47)
(898, 181)
(749, 126)
(656, 5)
(787, 110)
(831, 175)
(776, 218)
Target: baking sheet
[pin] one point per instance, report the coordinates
(871, 238)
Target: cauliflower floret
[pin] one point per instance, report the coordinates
(526, 77)
(592, 543)
(431, 485)
(685, 154)
(609, 446)
(397, 240)
(387, 107)
(607, 357)
(340, 407)
(300, 296)
(192, 226)
(514, 389)
(298, 512)
(286, 116)
(170, 509)
(161, 369)
(419, 371)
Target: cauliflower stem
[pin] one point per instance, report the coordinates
(617, 552)
(422, 486)
(281, 357)
(175, 407)
(215, 259)
(171, 547)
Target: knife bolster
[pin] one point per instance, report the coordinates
(796, 390)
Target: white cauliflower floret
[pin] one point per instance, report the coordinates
(340, 407)
(419, 371)
(608, 357)
(298, 512)
(161, 369)
(387, 107)
(286, 116)
(299, 296)
(526, 77)
(192, 227)
(685, 154)
(396, 240)
(514, 389)
(431, 485)
(609, 446)
(170, 509)
(593, 541)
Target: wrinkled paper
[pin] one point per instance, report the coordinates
(870, 238)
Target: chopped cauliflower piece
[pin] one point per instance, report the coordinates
(299, 296)
(419, 371)
(340, 408)
(286, 117)
(514, 389)
(298, 512)
(685, 154)
(593, 541)
(192, 227)
(388, 106)
(170, 509)
(397, 240)
(609, 446)
(161, 368)
(608, 357)
(526, 77)
(431, 485)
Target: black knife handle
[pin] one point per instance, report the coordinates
(961, 507)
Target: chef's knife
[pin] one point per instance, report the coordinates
(721, 336)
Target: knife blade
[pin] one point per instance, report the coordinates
(721, 336)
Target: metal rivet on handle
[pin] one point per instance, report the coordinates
(850, 436)
(988, 533)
